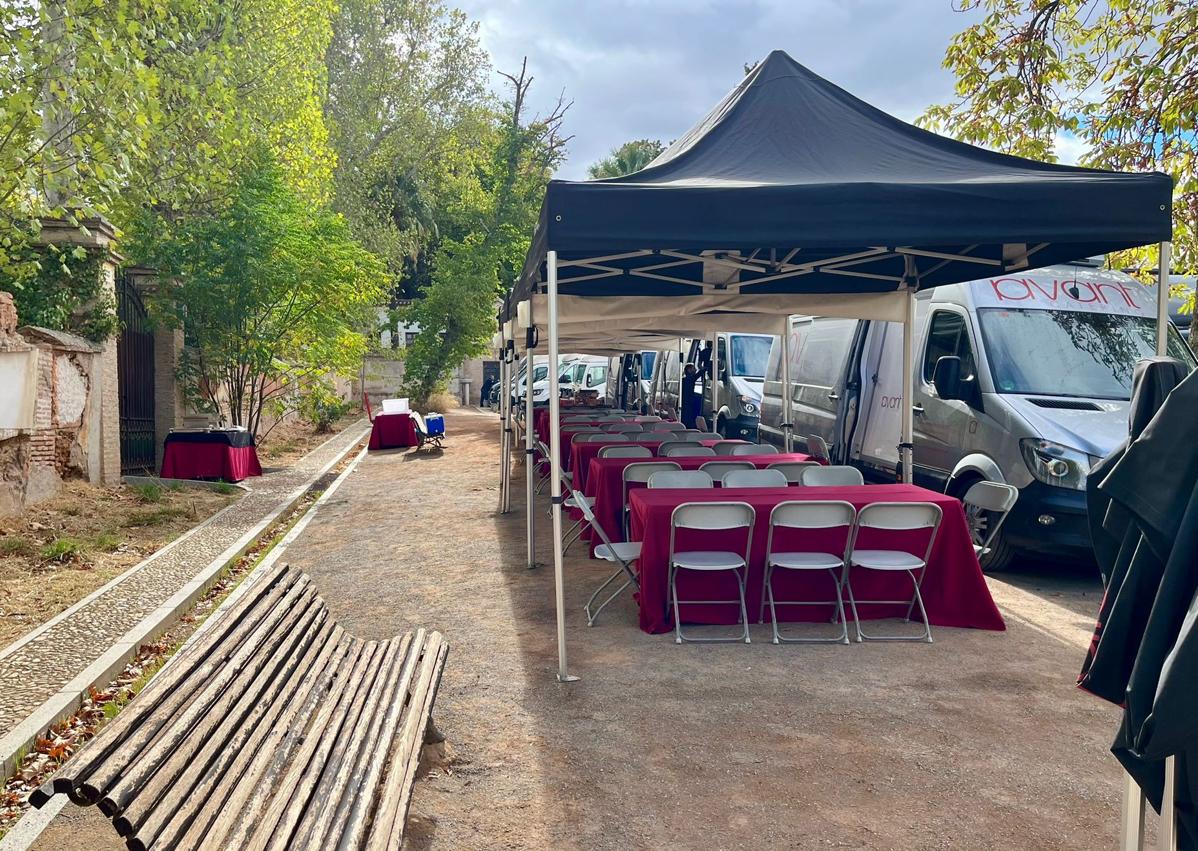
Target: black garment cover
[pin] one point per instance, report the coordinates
(1143, 502)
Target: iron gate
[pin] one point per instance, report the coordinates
(135, 375)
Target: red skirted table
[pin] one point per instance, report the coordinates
(218, 454)
(392, 430)
(954, 590)
(605, 482)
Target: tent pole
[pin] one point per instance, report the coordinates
(1131, 836)
(1167, 833)
(510, 429)
(655, 385)
(1162, 299)
(529, 438)
(906, 440)
(787, 425)
(555, 472)
(714, 425)
(504, 402)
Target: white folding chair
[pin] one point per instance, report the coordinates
(625, 428)
(809, 516)
(682, 448)
(817, 448)
(793, 470)
(584, 433)
(665, 437)
(623, 553)
(754, 479)
(573, 500)
(726, 447)
(695, 434)
(639, 472)
(717, 469)
(895, 517)
(647, 418)
(987, 505)
(670, 446)
(680, 479)
(710, 516)
(664, 426)
(625, 452)
(543, 452)
(604, 437)
(754, 449)
(819, 475)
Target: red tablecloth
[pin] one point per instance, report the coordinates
(541, 419)
(578, 456)
(605, 482)
(391, 430)
(954, 590)
(209, 461)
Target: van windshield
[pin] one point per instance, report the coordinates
(750, 355)
(1069, 353)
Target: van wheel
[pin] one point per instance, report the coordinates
(721, 426)
(1001, 555)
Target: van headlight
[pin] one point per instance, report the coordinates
(1055, 464)
(748, 404)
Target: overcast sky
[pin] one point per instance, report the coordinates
(652, 68)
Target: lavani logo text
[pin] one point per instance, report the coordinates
(1064, 292)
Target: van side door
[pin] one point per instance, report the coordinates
(943, 426)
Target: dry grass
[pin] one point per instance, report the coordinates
(293, 438)
(58, 552)
(442, 403)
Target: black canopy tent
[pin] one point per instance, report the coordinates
(793, 196)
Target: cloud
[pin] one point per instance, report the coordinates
(651, 68)
(1069, 149)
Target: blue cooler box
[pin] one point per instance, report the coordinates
(435, 424)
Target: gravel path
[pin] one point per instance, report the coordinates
(36, 670)
(979, 741)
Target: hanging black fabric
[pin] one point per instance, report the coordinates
(1145, 653)
(790, 169)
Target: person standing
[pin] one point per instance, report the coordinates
(485, 394)
(689, 409)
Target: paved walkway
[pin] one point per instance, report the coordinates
(34, 671)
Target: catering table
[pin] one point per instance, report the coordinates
(541, 418)
(217, 454)
(579, 455)
(392, 430)
(605, 482)
(954, 591)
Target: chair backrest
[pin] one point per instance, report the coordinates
(626, 428)
(817, 448)
(725, 447)
(755, 449)
(695, 434)
(833, 476)
(677, 448)
(664, 426)
(642, 470)
(753, 479)
(712, 516)
(664, 436)
(647, 418)
(681, 479)
(813, 514)
(625, 452)
(603, 437)
(717, 469)
(667, 447)
(899, 516)
(793, 470)
(991, 496)
(583, 434)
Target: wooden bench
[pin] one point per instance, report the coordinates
(272, 729)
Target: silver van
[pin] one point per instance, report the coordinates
(742, 359)
(1023, 379)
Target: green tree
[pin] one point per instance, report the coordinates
(1116, 74)
(270, 293)
(492, 196)
(629, 157)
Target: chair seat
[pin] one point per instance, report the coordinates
(806, 561)
(708, 560)
(886, 560)
(624, 551)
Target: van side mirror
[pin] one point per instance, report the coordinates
(946, 378)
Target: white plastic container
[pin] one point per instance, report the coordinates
(396, 406)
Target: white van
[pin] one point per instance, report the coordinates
(1023, 379)
(742, 360)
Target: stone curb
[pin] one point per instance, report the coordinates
(108, 665)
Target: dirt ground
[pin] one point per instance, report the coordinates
(57, 552)
(979, 741)
(293, 438)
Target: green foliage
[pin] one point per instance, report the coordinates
(1116, 74)
(269, 293)
(225, 489)
(107, 542)
(321, 407)
(148, 493)
(65, 290)
(15, 545)
(154, 516)
(63, 550)
(629, 157)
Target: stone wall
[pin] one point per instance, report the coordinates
(57, 442)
